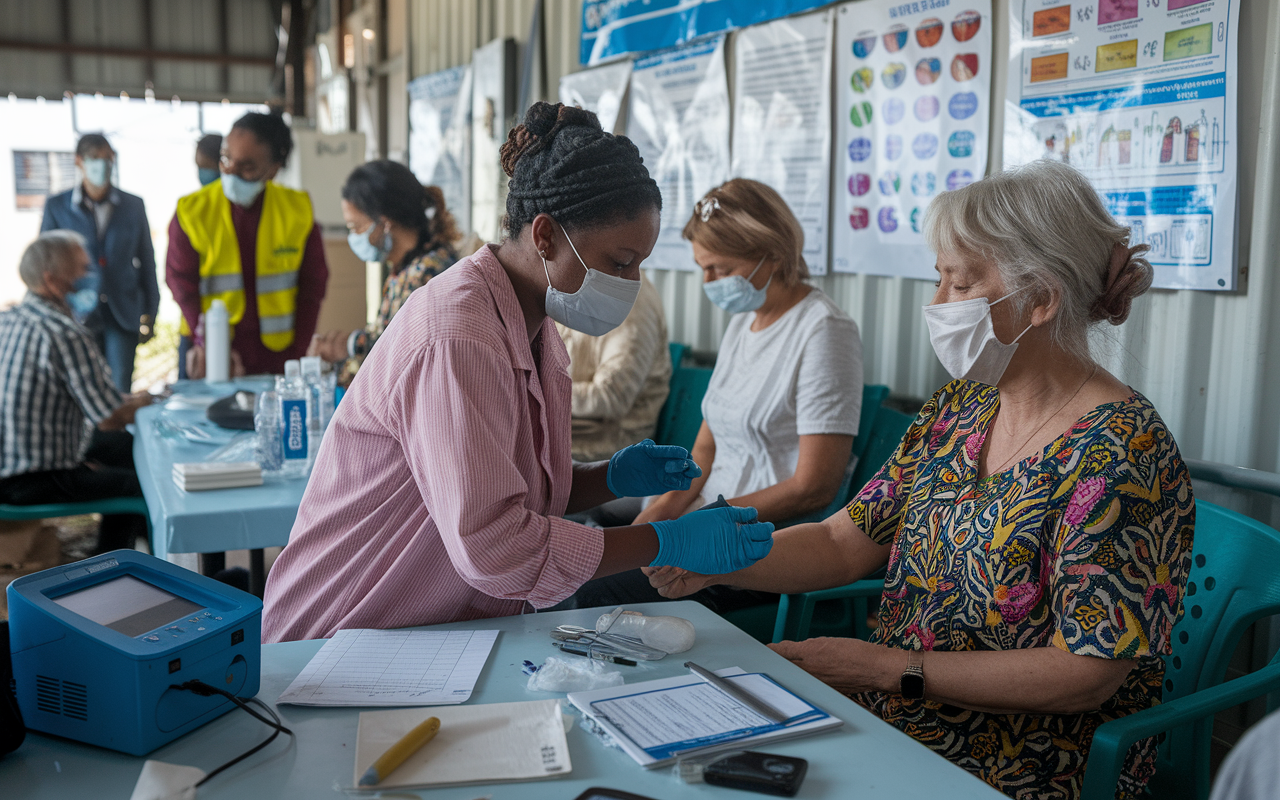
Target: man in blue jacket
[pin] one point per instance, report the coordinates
(117, 301)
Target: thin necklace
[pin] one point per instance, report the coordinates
(1046, 422)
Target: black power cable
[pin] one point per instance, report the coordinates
(205, 690)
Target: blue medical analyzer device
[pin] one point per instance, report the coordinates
(99, 645)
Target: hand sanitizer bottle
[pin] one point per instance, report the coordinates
(293, 421)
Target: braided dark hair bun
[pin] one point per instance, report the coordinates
(562, 163)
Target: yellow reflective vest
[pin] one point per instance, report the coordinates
(285, 225)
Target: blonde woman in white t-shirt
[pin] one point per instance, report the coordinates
(782, 408)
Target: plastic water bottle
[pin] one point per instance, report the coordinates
(217, 344)
(294, 421)
(266, 422)
(313, 381)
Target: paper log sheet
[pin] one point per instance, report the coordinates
(392, 668)
(697, 713)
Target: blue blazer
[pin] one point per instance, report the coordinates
(125, 260)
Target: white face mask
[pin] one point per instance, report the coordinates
(965, 340)
(600, 304)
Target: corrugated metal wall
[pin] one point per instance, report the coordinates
(178, 26)
(1209, 361)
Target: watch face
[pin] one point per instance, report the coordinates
(912, 686)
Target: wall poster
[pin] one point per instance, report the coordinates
(1140, 95)
(679, 119)
(782, 119)
(440, 137)
(913, 105)
(600, 90)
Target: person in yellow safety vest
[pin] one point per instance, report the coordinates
(253, 244)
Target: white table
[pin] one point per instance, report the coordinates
(866, 759)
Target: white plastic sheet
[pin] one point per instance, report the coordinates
(600, 90)
(782, 119)
(679, 119)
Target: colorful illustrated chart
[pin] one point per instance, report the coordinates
(678, 117)
(782, 119)
(1140, 96)
(913, 105)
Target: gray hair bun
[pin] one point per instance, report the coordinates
(1128, 276)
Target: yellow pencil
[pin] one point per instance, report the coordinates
(400, 752)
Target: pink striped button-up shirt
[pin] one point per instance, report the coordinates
(438, 492)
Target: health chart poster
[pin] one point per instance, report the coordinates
(678, 117)
(913, 105)
(782, 119)
(1140, 96)
(599, 90)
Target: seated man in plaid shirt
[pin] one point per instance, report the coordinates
(62, 420)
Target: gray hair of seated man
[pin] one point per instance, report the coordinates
(1046, 229)
(50, 252)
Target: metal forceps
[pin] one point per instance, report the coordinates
(607, 643)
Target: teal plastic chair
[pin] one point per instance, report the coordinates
(112, 505)
(794, 619)
(1234, 581)
(681, 416)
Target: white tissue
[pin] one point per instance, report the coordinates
(162, 781)
(578, 675)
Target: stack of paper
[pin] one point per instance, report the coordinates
(364, 667)
(476, 744)
(657, 721)
(214, 475)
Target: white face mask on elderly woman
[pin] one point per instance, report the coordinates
(965, 339)
(601, 304)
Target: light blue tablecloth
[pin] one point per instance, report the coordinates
(866, 759)
(210, 521)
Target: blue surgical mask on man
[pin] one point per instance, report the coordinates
(736, 294)
(240, 191)
(366, 250)
(97, 171)
(207, 175)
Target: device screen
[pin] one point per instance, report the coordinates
(127, 605)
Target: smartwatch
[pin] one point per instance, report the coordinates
(912, 682)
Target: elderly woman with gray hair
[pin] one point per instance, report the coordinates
(1036, 520)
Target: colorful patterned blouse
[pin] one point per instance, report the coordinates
(1085, 547)
(399, 285)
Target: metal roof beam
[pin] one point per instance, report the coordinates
(70, 49)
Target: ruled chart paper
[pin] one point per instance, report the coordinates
(392, 668)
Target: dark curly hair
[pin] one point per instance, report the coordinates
(389, 189)
(271, 130)
(562, 163)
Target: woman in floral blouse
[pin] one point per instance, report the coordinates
(393, 218)
(1036, 520)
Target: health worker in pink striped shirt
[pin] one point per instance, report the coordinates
(440, 488)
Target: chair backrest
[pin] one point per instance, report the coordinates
(681, 415)
(1234, 581)
(872, 396)
(677, 353)
(885, 435)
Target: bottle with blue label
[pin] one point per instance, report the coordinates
(294, 402)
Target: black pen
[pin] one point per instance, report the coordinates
(568, 648)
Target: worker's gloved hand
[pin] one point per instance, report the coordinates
(713, 541)
(647, 468)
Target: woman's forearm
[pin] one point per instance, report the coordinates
(820, 555)
(1037, 680)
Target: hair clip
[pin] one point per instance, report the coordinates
(708, 206)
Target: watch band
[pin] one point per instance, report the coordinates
(912, 681)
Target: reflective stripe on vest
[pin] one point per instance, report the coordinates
(283, 229)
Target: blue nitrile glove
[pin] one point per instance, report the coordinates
(713, 541)
(647, 468)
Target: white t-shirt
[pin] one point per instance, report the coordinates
(801, 375)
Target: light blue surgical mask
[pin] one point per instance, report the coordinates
(366, 250)
(601, 303)
(240, 191)
(736, 294)
(207, 175)
(82, 301)
(97, 171)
